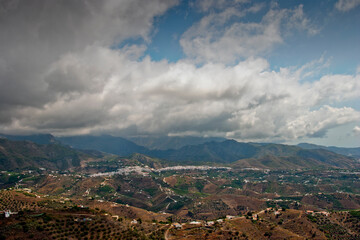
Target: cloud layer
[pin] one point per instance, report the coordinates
(60, 74)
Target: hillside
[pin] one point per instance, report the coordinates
(37, 216)
(29, 155)
(297, 161)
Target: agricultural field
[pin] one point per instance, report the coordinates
(64, 205)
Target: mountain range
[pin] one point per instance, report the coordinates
(35, 150)
(274, 156)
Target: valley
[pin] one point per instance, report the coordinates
(171, 199)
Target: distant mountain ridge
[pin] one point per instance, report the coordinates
(354, 152)
(36, 138)
(165, 142)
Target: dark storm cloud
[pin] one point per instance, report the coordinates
(35, 34)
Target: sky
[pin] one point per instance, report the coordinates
(263, 71)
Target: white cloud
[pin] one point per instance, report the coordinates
(346, 5)
(356, 131)
(214, 38)
(245, 101)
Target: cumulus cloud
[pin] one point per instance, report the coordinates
(70, 81)
(217, 39)
(346, 5)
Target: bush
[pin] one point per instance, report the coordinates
(46, 218)
(25, 228)
(267, 234)
(355, 213)
(40, 228)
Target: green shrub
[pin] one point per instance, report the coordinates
(106, 189)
